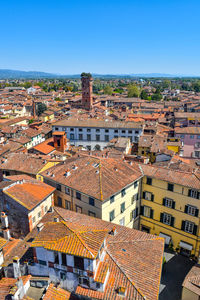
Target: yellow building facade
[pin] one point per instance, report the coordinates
(171, 210)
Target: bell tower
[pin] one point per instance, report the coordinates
(87, 100)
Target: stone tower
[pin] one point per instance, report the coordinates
(87, 100)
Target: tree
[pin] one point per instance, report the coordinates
(41, 108)
(107, 90)
(144, 95)
(133, 91)
(27, 84)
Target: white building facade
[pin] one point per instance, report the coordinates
(96, 134)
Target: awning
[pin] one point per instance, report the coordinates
(185, 246)
(166, 237)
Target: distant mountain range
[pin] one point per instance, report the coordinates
(16, 74)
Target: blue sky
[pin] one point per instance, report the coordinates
(107, 36)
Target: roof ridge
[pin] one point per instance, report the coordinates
(77, 235)
(100, 181)
(134, 241)
(121, 269)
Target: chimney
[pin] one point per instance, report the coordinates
(16, 267)
(121, 290)
(40, 226)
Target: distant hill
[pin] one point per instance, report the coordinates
(16, 74)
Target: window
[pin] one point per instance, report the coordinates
(189, 227)
(97, 137)
(106, 130)
(123, 192)
(42, 262)
(71, 129)
(136, 139)
(115, 136)
(122, 221)
(67, 191)
(116, 131)
(198, 136)
(91, 213)
(122, 207)
(78, 209)
(67, 204)
(112, 215)
(123, 131)
(135, 198)
(149, 180)
(194, 194)
(112, 199)
(170, 187)
(39, 214)
(168, 203)
(89, 137)
(56, 128)
(64, 260)
(56, 258)
(59, 199)
(148, 212)
(88, 130)
(166, 219)
(136, 132)
(191, 136)
(130, 131)
(135, 184)
(191, 210)
(148, 196)
(83, 281)
(33, 219)
(71, 136)
(80, 129)
(106, 138)
(91, 201)
(134, 214)
(58, 187)
(97, 130)
(46, 208)
(62, 276)
(78, 195)
(80, 136)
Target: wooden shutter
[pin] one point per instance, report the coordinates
(196, 212)
(151, 213)
(195, 230)
(183, 226)
(152, 197)
(173, 204)
(142, 210)
(164, 199)
(161, 217)
(186, 209)
(143, 195)
(172, 221)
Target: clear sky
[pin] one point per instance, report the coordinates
(101, 36)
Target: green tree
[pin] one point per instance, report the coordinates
(144, 95)
(41, 108)
(27, 84)
(107, 90)
(133, 91)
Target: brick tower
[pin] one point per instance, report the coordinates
(87, 100)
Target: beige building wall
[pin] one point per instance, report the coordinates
(36, 215)
(189, 295)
